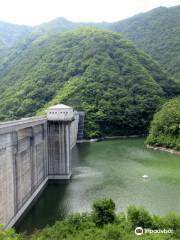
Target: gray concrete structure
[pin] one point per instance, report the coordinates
(32, 151)
(59, 150)
(23, 164)
(80, 134)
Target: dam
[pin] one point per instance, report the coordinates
(32, 152)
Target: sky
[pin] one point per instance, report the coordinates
(34, 12)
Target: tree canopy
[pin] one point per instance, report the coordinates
(165, 127)
(97, 71)
(157, 32)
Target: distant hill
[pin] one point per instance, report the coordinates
(10, 34)
(157, 32)
(98, 71)
(2, 48)
(61, 24)
(14, 38)
(57, 25)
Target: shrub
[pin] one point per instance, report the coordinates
(79, 221)
(112, 232)
(9, 234)
(139, 217)
(103, 212)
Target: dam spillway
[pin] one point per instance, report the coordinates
(32, 151)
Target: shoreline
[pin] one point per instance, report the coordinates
(108, 138)
(163, 149)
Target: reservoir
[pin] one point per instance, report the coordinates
(110, 169)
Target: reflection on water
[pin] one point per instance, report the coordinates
(111, 169)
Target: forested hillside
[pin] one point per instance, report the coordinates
(165, 127)
(3, 49)
(97, 71)
(10, 34)
(157, 32)
(15, 38)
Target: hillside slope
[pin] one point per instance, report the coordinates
(10, 33)
(97, 71)
(157, 32)
(165, 127)
(15, 38)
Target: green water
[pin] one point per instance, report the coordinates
(111, 169)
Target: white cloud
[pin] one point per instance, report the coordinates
(32, 12)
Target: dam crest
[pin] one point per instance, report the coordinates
(33, 151)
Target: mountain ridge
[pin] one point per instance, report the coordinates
(157, 32)
(10, 33)
(90, 69)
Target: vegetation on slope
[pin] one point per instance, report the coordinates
(97, 71)
(10, 34)
(103, 224)
(61, 24)
(165, 127)
(157, 32)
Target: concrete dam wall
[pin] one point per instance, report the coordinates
(32, 151)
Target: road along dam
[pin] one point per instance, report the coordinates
(33, 151)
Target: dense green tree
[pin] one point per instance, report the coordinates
(139, 217)
(103, 212)
(165, 127)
